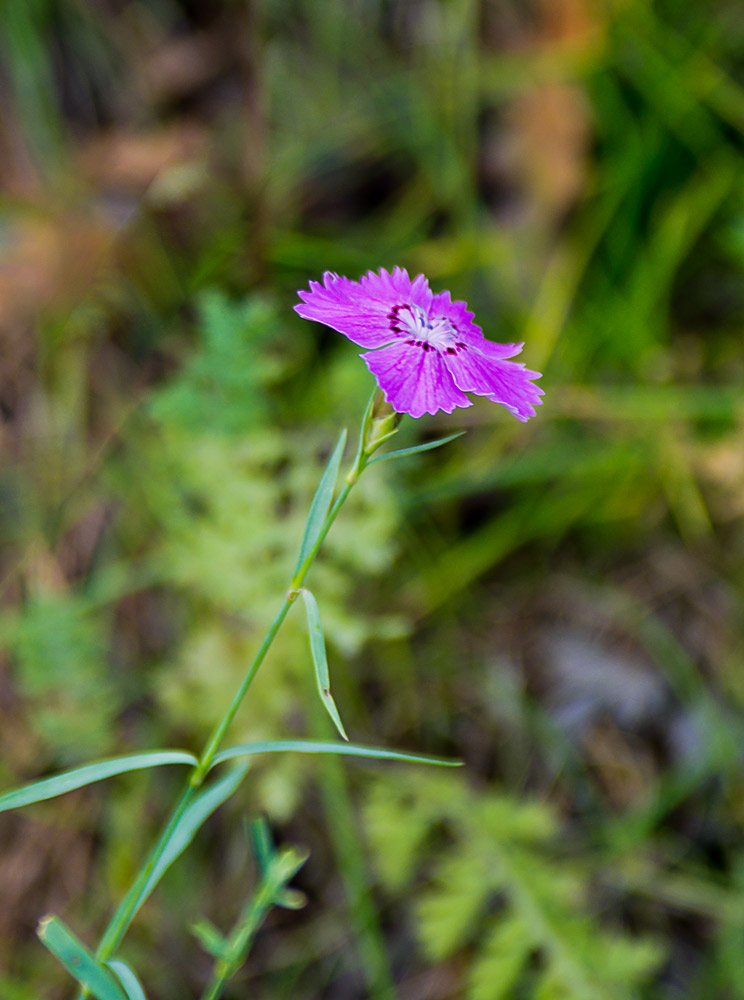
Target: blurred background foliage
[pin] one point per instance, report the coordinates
(557, 603)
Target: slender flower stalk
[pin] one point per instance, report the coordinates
(370, 438)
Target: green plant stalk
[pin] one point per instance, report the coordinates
(126, 910)
(218, 734)
(250, 920)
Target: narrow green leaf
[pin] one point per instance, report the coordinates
(317, 640)
(78, 961)
(402, 452)
(211, 940)
(291, 899)
(330, 706)
(193, 818)
(320, 661)
(320, 746)
(321, 501)
(127, 978)
(48, 788)
(286, 863)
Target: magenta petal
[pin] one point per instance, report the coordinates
(341, 304)
(361, 309)
(505, 382)
(414, 380)
(396, 288)
(498, 352)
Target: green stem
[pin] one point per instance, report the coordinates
(240, 941)
(299, 578)
(128, 907)
(218, 734)
(226, 967)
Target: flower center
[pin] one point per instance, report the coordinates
(423, 331)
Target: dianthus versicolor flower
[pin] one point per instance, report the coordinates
(423, 348)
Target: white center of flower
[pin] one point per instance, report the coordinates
(412, 321)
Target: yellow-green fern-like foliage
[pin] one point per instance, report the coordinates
(490, 884)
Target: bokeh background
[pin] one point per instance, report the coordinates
(558, 603)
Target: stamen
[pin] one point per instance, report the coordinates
(431, 333)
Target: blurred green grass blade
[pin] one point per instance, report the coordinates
(402, 452)
(78, 961)
(349, 858)
(193, 818)
(128, 980)
(68, 781)
(262, 843)
(321, 502)
(321, 747)
(320, 660)
(547, 515)
(27, 32)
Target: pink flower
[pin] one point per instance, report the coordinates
(424, 349)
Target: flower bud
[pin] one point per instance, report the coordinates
(381, 423)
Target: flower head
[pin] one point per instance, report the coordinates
(423, 349)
